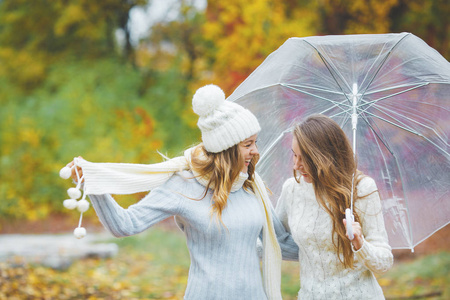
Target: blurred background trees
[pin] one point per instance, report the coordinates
(73, 82)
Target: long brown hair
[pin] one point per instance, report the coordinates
(221, 170)
(328, 158)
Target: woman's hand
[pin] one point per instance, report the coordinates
(74, 174)
(358, 239)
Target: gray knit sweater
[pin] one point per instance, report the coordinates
(224, 262)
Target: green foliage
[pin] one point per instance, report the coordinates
(105, 111)
(185, 34)
(426, 19)
(290, 282)
(68, 88)
(157, 241)
(36, 34)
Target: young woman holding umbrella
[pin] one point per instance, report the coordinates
(312, 207)
(219, 202)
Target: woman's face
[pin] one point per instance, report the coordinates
(248, 149)
(298, 162)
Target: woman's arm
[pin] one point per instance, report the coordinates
(158, 205)
(289, 247)
(375, 252)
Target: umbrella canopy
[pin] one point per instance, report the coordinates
(401, 90)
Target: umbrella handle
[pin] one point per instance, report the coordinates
(350, 219)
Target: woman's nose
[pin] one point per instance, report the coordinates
(254, 150)
(296, 164)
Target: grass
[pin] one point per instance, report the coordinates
(155, 264)
(427, 277)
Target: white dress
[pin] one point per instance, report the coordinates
(322, 275)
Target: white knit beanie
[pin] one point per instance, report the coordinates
(223, 123)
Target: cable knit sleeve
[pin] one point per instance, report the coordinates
(158, 205)
(375, 253)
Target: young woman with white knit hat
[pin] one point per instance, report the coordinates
(218, 201)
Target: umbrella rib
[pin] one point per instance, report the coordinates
(381, 65)
(347, 118)
(394, 87)
(404, 85)
(270, 86)
(387, 111)
(345, 121)
(312, 88)
(396, 125)
(327, 64)
(331, 107)
(389, 96)
(364, 118)
(336, 103)
(408, 214)
(316, 96)
(384, 141)
(373, 64)
(347, 111)
(411, 131)
(379, 139)
(399, 66)
(274, 143)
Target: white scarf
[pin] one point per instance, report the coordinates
(119, 178)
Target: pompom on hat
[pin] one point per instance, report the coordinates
(223, 123)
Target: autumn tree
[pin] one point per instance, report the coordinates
(353, 17)
(178, 42)
(427, 19)
(34, 34)
(245, 32)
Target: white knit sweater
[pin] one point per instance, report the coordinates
(322, 275)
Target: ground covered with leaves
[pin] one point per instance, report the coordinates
(154, 265)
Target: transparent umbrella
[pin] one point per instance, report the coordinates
(398, 90)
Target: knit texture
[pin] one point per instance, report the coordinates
(223, 123)
(322, 275)
(106, 178)
(224, 262)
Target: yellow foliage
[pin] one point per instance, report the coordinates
(249, 31)
(370, 16)
(8, 136)
(384, 281)
(70, 15)
(190, 118)
(30, 136)
(359, 16)
(23, 67)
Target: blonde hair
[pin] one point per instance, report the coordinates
(221, 170)
(329, 161)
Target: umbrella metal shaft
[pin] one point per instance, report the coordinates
(354, 124)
